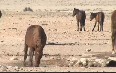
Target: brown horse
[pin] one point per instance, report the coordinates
(113, 30)
(99, 17)
(80, 17)
(35, 39)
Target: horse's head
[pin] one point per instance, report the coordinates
(92, 16)
(75, 11)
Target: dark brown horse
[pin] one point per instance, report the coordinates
(99, 17)
(80, 17)
(35, 39)
(113, 30)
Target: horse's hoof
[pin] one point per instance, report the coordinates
(113, 52)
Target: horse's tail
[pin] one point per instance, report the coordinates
(103, 16)
(84, 17)
(84, 14)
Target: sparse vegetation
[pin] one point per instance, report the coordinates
(28, 9)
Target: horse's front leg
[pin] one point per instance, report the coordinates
(81, 26)
(101, 26)
(77, 25)
(94, 26)
(84, 28)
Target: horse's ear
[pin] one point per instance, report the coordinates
(74, 8)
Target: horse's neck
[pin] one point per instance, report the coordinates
(95, 14)
(78, 12)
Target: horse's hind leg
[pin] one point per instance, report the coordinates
(31, 53)
(99, 26)
(81, 26)
(113, 43)
(25, 54)
(102, 26)
(38, 56)
(84, 28)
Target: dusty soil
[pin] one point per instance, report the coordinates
(63, 42)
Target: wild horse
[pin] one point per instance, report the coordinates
(35, 39)
(80, 17)
(99, 17)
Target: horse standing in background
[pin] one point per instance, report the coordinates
(80, 17)
(99, 17)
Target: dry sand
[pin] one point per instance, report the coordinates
(55, 16)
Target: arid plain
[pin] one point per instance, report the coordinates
(64, 42)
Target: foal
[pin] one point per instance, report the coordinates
(99, 17)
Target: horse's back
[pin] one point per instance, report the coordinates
(34, 34)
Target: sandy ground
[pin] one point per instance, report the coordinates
(63, 42)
